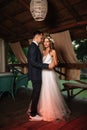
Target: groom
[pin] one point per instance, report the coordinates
(35, 67)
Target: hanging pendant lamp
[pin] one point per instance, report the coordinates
(38, 9)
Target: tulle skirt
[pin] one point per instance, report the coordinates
(51, 105)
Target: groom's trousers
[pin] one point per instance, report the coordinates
(35, 96)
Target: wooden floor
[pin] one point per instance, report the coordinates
(13, 114)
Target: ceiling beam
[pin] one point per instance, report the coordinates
(25, 4)
(71, 10)
(54, 30)
(7, 30)
(5, 3)
(68, 26)
(17, 12)
(14, 21)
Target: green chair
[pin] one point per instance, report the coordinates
(21, 81)
(7, 83)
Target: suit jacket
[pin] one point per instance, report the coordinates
(35, 64)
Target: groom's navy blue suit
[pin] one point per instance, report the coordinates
(35, 67)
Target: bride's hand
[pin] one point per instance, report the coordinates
(51, 65)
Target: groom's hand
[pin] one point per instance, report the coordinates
(51, 65)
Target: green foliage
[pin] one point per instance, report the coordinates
(25, 50)
(80, 47)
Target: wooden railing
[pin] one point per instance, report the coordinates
(60, 65)
(66, 65)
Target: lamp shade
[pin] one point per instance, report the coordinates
(38, 9)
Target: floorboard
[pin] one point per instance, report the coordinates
(13, 114)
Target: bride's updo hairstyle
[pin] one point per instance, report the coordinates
(51, 40)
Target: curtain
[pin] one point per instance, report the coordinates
(66, 54)
(18, 52)
(2, 56)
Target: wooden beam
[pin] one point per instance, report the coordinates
(68, 26)
(71, 10)
(15, 21)
(5, 3)
(66, 65)
(25, 4)
(17, 12)
(7, 29)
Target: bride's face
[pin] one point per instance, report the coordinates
(46, 43)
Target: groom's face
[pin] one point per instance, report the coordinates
(40, 37)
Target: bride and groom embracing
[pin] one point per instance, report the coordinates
(47, 102)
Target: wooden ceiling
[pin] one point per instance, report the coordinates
(17, 23)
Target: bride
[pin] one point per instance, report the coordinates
(51, 105)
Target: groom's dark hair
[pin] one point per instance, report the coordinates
(37, 33)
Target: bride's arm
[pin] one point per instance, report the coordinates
(55, 59)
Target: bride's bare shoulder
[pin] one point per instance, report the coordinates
(53, 52)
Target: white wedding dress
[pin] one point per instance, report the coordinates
(51, 105)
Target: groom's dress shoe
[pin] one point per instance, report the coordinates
(35, 118)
